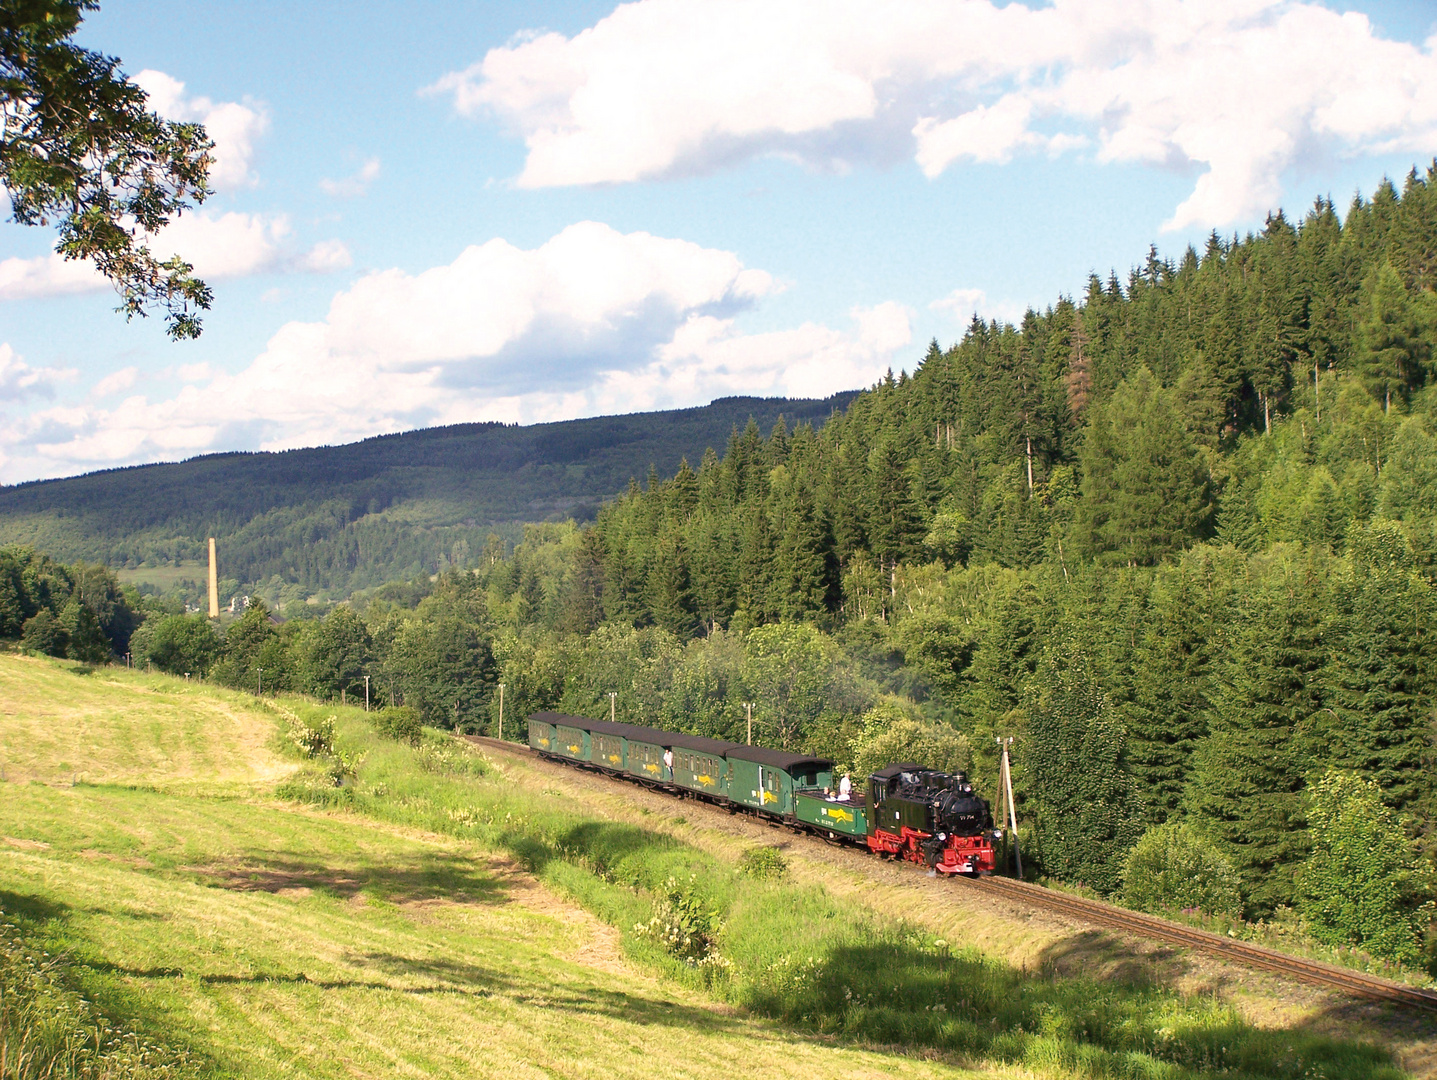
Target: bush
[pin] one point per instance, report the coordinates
(683, 923)
(1362, 885)
(889, 736)
(400, 723)
(1172, 868)
(764, 863)
(44, 634)
(177, 644)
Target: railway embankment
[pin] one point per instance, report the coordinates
(1051, 934)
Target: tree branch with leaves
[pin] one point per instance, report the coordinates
(80, 150)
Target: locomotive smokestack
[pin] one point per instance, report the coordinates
(214, 584)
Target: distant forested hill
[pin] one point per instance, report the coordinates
(338, 518)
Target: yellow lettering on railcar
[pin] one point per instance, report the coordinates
(837, 814)
(651, 768)
(769, 797)
(706, 781)
(613, 759)
(573, 748)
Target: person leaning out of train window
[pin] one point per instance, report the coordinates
(669, 761)
(845, 786)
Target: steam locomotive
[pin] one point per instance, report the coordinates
(906, 811)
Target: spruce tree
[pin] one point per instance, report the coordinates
(670, 594)
(1245, 788)
(755, 564)
(682, 492)
(1394, 346)
(1166, 716)
(1146, 492)
(1073, 765)
(800, 578)
(1380, 678)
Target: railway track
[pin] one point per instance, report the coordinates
(1314, 972)
(1097, 913)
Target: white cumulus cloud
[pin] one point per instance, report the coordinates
(234, 128)
(964, 303)
(592, 321)
(351, 187)
(1239, 90)
(219, 246)
(19, 381)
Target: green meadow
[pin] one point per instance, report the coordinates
(233, 888)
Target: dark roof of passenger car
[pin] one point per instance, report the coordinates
(580, 722)
(776, 759)
(632, 732)
(893, 770)
(702, 743)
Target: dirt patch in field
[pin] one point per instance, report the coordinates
(24, 845)
(600, 947)
(278, 882)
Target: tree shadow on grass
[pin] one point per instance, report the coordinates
(611, 850)
(435, 875)
(1104, 955)
(43, 928)
(27, 909)
(439, 975)
(901, 994)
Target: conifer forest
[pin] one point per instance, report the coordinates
(1176, 536)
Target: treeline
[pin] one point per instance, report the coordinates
(81, 612)
(334, 519)
(1268, 389)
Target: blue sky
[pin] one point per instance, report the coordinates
(438, 213)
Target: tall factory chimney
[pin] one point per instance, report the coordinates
(214, 584)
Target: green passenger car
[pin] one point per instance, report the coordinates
(572, 741)
(542, 735)
(846, 817)
(767, 779)
(644, 750)
(699, 765)
(608, 744)
(566, 735)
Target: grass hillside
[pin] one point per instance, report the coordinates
(66, 722)
(442, 913)
(337, 518)
(251, 937)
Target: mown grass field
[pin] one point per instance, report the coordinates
(271, 939)
(63, 722)
(168, 576)
(443, 914)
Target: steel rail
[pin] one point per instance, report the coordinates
(1314, 972)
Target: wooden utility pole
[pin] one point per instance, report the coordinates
(1006, 784)
(749, 706)
(613, 697)
(366, 693)
(214, 583)
(501, 712)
